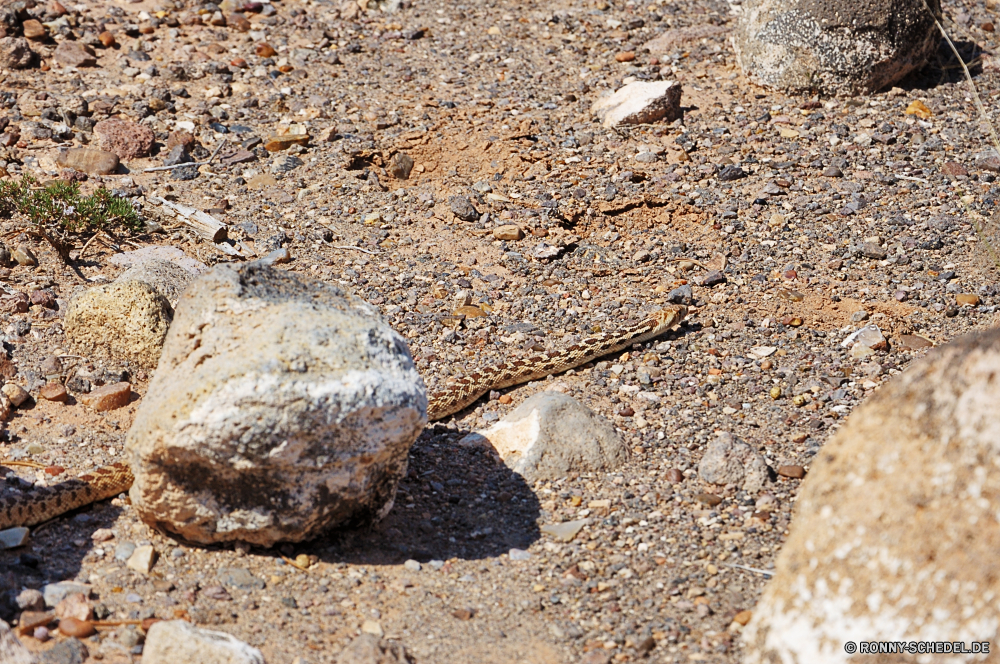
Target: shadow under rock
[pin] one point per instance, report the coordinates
(454, 502)
(943, 68)
(54, 552)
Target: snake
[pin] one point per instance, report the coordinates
(45, 503)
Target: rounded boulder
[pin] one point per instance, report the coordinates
(281, 407)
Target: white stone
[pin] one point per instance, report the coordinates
(640, 103)
(175, 641)
(142, 559)
(551, 435)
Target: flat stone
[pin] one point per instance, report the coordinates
(70, 651)
(508, 232)
(24, 256)
(54, 392)
(71, 53)
(138, 257)
(108, 397)
(967, 299)
(310, 395)
(372, 627)
(550, 435)
(954, 169)
(793, 472)
(760, 352)
(143, 558)
(281, 142)
(174, 641)
(240, 578)
(914, 341)
(565, 531)
(57, 592)
(11, 538)
(33, 29)
(988, 160)
(640, 103)
(869, 336)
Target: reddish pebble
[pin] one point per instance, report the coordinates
(265, 50)
(54, 470)
(675, 476)
(107, 39)
(57, 8)
(284, 69)
(239, 62)
(108, 397)
(626, 411)
(987, 27)
(79, 628)
(238, 21)
(793, 472)
(505, 399)
(54, 392)
(627, 56)
(790, 274)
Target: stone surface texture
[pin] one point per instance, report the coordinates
(918, 458)
(550, 435)
(167, 277)
(280, 408)
(125, 138)
(88, 160)
(729, 460)
(121, 320)
(175, 641)
(640, 103)
(840, 47)
(15, 53)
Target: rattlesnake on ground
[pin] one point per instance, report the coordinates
(44, 503)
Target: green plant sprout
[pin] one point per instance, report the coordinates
(57, 211)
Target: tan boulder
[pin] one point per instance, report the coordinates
(898, 521)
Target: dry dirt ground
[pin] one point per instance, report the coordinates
(852, 212)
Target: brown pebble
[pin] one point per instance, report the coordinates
(33, 29)
(78, 628)
(265, 50)
(107, 39)
(675, 476)
(505, 399)
(238, 21)
(708, 498)
(766, 365)
(967, 299)
(627, 56)
(793, 472)
(284, 69)
(54, 392)
(108, 397)
(987, 26)
(239, 62)
(743, 617)
(56, 8)
(463, 614)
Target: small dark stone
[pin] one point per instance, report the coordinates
(681, 295)
(731, 172)
(189, 172)
(712, 278)
(873, 251)
(78, 384)
(178, 155)
(463, 209)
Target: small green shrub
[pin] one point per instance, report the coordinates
(59, 207)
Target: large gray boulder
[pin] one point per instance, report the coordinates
(834, 46)
(550, 435)
(281, 407)
(896, 532)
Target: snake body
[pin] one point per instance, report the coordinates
(44, 503)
